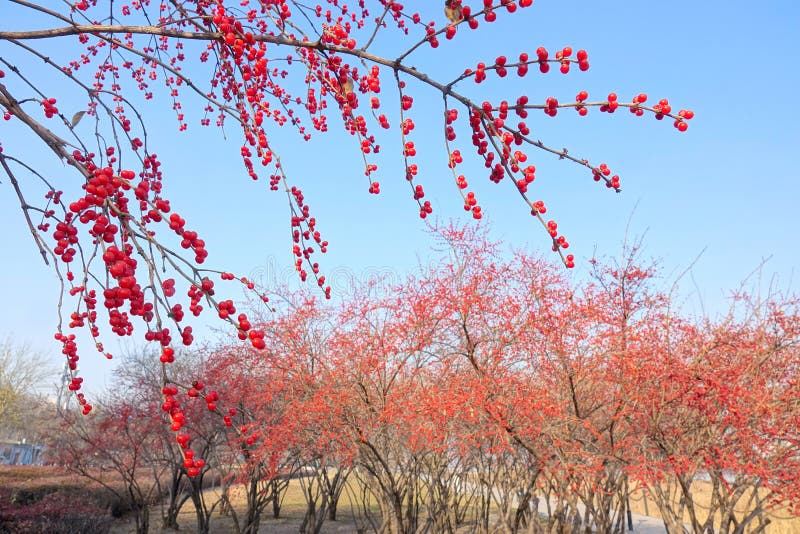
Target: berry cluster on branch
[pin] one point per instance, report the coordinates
(125, 257)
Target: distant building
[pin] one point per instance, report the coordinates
(20, 453)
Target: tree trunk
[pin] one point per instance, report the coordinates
(142, 518)
(276, 499)
(169, 518)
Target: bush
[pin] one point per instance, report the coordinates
(49, 501)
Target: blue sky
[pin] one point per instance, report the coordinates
(724, 193)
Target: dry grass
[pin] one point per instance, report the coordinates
(292, 511)
(781, 521)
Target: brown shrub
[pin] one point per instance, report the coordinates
(47, 500)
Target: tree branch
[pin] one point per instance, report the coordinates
(24, 205)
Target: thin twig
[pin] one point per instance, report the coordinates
(24, 205)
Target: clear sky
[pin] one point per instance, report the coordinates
(726, 191)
